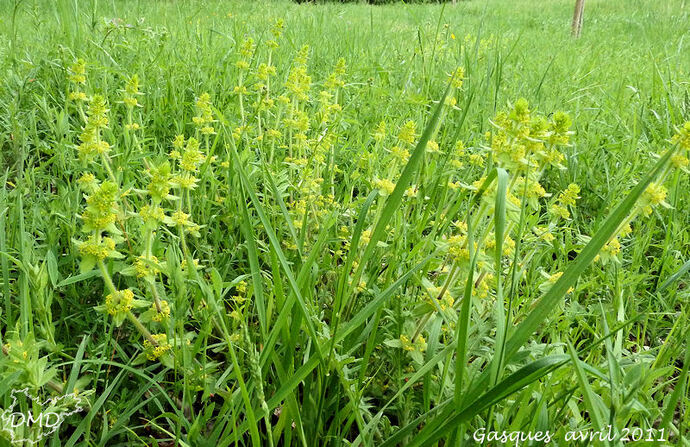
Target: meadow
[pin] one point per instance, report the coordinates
(229, 223)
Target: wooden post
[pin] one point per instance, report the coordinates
(577, 17)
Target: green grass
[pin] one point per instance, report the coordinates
(344, 273)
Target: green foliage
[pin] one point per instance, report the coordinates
(339, 224)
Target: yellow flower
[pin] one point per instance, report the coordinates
(560, 211)
(565, 199)
(654, 195)
(365, 237)
(180, 218)
(432, 147)
(569, 196)
(192, 156)
(458, 77)
(87, 181)
(457, 248)
(476, 160)
(680, 161)
(178, 142)
(151, 214)
(420, 343)
(98, 249)
(78, 96)
(682, 137)
(146, 267)
(408, 132)
(164, 312)
(77, 72)
(101, 207)
(407, 345)
(384, 186)
(613, 247)
(545, 234)
(119, 302)
(155, 351)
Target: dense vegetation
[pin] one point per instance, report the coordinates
(264, 223)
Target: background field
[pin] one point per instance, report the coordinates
(242, 362)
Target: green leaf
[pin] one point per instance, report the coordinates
(588, 394)
(673, 278)
(87, 264)
(51, 264)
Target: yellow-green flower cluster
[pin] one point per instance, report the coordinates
(400, 154)
(131, 92)
(380, 132)
(432, 147)
(682, 139)
(192, 156)
(459, 153)
(653, 195)
(458, 77)
(77, 77)
(408, 132)
(443, 297)
(151, 215)
(247, 48)
(159, 184)
(157, 350)
(189, 161)
(418, 345)
(119, 302)
(101, 208)
(265, 71)
(337, 78)
(532, 190)
(299, 82)
(565, 199)
(276, 31)
(146, 266)
(457, 248)
(163, 314)
(524, 140)
(77, 72)
(204, 116)
(385, 186)
(327, 107)
(97, 119)
(508, 245)
(181, 219)
(99, 248)
(87, 182)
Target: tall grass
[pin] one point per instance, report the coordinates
(379, 250)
